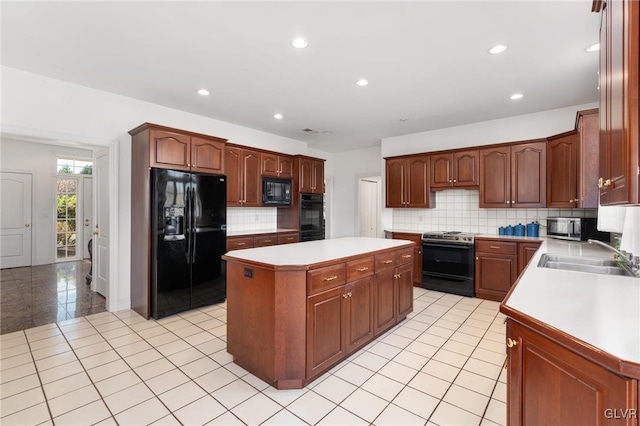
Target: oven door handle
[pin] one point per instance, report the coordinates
(450, 246)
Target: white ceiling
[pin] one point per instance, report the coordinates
(426, 61)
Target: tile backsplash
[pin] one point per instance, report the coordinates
(251, 219)
(457, 210)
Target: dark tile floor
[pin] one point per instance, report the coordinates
(46, 294)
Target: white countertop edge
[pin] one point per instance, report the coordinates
(601, 310)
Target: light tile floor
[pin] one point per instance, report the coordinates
(441, 366)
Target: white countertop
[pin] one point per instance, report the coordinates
(311, 252)
(601, 310)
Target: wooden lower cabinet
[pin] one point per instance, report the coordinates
(261, 240)
(404, 289)
(359, 313)
(417, 252)
(385, 297)
(549, 384)
(325, 330)
(498, 265)
(393, 289)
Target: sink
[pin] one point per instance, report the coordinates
(582, 264)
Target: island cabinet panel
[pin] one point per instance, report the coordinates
(340, 306)
(552, 385)
(325, 331)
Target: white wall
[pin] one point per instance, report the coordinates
(40, 161)
(512, 129)
(348, 167)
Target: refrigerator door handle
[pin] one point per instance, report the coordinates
(189, 225)
(193, 222)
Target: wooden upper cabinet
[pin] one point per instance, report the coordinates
(495, 177)
(182, 150)
(588, 127)
(457, 169)
(243, 177)
(207, 155)
(310, 175)
(407, 182)
(169, 150)
(562, 175)
(272, 164)
(619, 81)
(513, 176)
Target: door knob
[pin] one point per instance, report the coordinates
(26, 225)
(95, 233)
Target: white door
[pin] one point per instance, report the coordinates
(100, 282)
(15, 219)
(368, 207)
(87, 214)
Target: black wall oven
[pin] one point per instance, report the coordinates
(448, 265)
(311, 217)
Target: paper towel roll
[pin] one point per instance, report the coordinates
(611, 218)
(630, 241)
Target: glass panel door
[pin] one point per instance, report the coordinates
(66, 219)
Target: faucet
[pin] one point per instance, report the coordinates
(630, 262)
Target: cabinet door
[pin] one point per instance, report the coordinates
(404, 288)
(317, 176)
(441, 168)
(494, 275)
(418, 182)
(495, 177)
(588, 158)
(286, 166)
(325, 331)
(550, 385)
(305, 175)
(169, 150)
(525, 252)
(529, 175)
(562, 176)
(269, 164)
(359, 313)
(395, 182)
(252, 185)
(207, 155)
(288, 238)
(385, 301)
(233, 167)
(466, 166)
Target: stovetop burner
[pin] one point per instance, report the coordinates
(450, 236)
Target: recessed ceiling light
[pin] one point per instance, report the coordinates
(498, 48)
(203, 92)
(593, 48)
(278, 116)
(516, 96)
(362, 82)
(299, 43)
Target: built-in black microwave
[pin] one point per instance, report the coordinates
(276, 192)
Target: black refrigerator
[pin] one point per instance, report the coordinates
(188, 240)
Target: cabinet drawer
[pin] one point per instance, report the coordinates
(291, 237)
(359, 268)
(404, 256)
(237, 243)
(266, 240)
(325, 278)
(385, 261)
(496, 247)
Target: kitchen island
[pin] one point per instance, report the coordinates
(573, 343)
(294, 311)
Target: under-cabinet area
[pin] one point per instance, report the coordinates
(295, 311)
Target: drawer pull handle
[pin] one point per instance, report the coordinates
(396, 275)
(267, 241)
(335, 277)
(494, 247)
(511, 343)
(387, 261)
(364, 268)
(406, 256)
(242, 244)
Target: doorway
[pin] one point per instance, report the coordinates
(369, 207)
